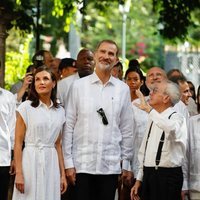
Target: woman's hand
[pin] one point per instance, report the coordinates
(63, 184)
(19, 182)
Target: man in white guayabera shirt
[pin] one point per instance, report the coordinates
(98, 137)
(162, 151)
(85, 67)
(7, 127)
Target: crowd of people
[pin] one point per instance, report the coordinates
(80, 130)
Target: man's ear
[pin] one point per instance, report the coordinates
(166, 99)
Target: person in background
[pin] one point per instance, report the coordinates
(192, 106)
(133, 63)
(174, 75)
(134, 79)
(39, 167)
(55, 68)
(67, 67)
(23, 84)
(43, 57)
(192, 159)
(23, 92)
(181, 106)
(198, 99)
(155, 75)
(7, 128)
(117, 71)
(98, 139)
(192, 90)
(162, 152)
(85, 67)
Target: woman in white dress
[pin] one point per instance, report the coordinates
(40, 171)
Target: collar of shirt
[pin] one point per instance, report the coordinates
(95, 79)
(43, 104)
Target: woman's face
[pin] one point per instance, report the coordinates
(44, 83)
(133, 81)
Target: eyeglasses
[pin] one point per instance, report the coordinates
(103, 115)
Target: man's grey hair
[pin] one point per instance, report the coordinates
(173, 91)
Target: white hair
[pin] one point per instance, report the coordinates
(173, 91)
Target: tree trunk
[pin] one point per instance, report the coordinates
(3, 35)
(6, 18)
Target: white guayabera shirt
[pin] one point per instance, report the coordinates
(7, 126)
(89, 145)
(192, 164)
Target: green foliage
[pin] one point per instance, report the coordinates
(142, 38)
(18, 14)
(175, 17)
(17, 61)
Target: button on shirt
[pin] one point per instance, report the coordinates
(174, 146)
(7, 126)
(88, 144)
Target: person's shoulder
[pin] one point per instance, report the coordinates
(120, 84)
(195, 118)
(83, 80)
(7, 94)
(25, 103)
(68, 79)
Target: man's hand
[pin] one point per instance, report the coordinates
(127, 177)
(135, 191)
(143, 104)
(184, 193)
(71, 175)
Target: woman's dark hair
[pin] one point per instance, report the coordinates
(34, 97)
(143, 88)
(134, 63)
(134, 69)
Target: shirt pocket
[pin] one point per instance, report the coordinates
(86, 105)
